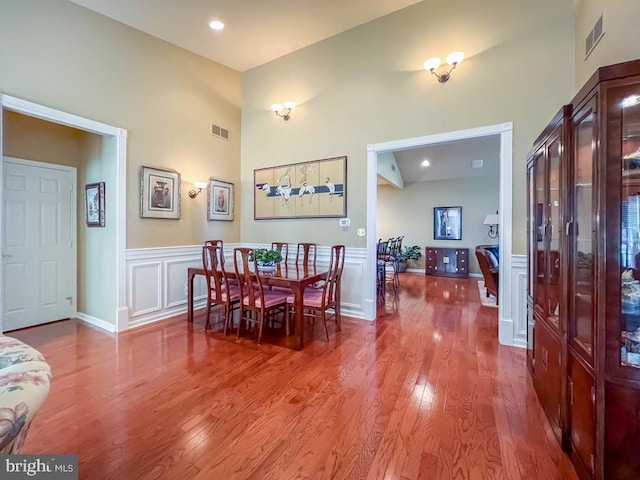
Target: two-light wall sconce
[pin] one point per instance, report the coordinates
(199, 186)
(283, 111)
(492, 219)
(453, 59)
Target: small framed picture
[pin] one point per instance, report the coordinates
(159, 193)
(447, 223)
(94, 204)
(220, 200)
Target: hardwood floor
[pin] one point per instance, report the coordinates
(425, 392)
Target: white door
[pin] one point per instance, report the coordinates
(38, 244)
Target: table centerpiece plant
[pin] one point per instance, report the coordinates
(266, 257)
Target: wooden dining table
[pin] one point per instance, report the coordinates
(297, 278)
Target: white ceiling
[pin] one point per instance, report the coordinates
(450, 160)
(256, 31)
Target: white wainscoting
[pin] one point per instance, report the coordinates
(157, 280)
(513, 324)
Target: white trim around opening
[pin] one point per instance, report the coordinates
(506, 332)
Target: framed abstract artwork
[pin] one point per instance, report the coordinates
(447, 223)
(94, 204)
(220, 201)
(316, 189)
(159, 193)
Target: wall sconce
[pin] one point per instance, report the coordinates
(492, 219)
(199, 186)
(453, 59)
(283, 111)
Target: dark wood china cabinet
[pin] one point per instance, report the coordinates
(583, 303)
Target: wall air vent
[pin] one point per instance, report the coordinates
(477, 163)
(218, 131)
(594, 37)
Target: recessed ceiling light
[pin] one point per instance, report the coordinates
(426, 163)
(216, 25)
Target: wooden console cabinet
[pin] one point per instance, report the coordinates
(447, 262)
(583, 305)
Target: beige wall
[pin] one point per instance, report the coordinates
(96, 268)
(60, 55)
(621, 41)
(388, 169)
(368, 85)
(409, 212)
(32, 139)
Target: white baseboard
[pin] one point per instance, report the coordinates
(97, 322)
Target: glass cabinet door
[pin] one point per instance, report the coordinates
(630, 227)
(540, 224)
(553, 231)
(581, 232)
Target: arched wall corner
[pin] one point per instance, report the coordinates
(511, 324)
(120, 319)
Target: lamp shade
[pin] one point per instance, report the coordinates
(455, 58)
(491, 219)
(432, 64)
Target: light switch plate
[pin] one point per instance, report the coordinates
(360, 232)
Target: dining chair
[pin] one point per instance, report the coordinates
(317, 301)
(283, 248)
(219, 290)
(381, 276)
(257, 301)
(306, 254)
(391, 260)
(219, 243)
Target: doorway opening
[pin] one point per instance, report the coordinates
(112, 314)
(506, 332)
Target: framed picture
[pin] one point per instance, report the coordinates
(447, 223)
(94, 204)
(220, 200)
(159, 193)
(316, 189)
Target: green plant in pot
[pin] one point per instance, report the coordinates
(408, 253)
(266, 256)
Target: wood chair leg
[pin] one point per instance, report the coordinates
(261, 320)
(324, 324)
(207, 323)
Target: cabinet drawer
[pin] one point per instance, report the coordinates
(447, 262)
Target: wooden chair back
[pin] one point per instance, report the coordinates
(306, 254)
(283, 248)
(214, 272)
(334, 277)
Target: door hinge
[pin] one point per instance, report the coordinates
(593, 463)
(593, 394)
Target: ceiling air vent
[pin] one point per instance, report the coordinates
(594, 37)
(218, 131)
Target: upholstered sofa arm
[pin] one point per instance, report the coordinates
(25, 377)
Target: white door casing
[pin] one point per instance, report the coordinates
(39, 247)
